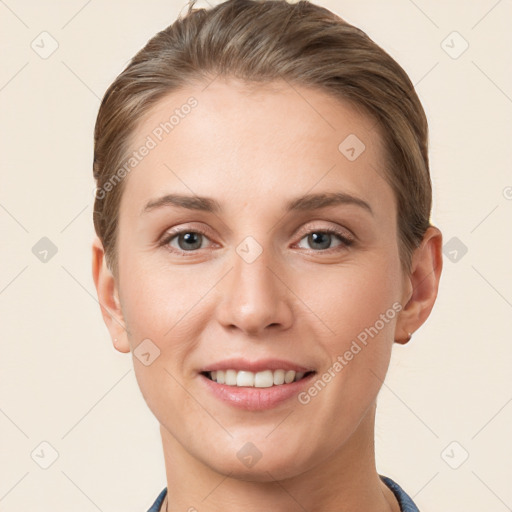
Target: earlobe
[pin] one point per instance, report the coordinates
(422, 285)
(108, 297)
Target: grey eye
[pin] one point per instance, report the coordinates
(188, 240)
(321, 240)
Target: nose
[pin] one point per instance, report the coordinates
(255, 297)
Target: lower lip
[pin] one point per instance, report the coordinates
(256, 399)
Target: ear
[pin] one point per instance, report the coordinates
(421, 285)
(108, 298)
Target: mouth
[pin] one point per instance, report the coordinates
(255, 385)
(262, 379)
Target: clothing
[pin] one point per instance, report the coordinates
(406, 503)
(404, 500)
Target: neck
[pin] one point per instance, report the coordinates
(347, 480)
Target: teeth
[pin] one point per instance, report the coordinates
(279, 377)
(245, 379)
(230, 378)
(264, 379)
(289, 376)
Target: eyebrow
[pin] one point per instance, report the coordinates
(304, 203)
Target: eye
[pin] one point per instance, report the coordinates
(190, 240)
(321, 239)
(185, 240)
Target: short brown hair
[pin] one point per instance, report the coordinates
(261, 41)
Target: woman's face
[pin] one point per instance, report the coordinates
(287, 259)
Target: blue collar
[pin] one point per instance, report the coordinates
(405, 501)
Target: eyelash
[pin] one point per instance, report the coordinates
(346, 242)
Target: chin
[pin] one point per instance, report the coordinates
(260, 461)
(261, 472)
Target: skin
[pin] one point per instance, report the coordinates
(253, 149)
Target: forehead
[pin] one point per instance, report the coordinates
(232, 139)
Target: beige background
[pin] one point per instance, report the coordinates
(63, 383)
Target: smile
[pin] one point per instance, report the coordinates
(261, 379)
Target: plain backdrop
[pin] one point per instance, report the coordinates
(70, 402)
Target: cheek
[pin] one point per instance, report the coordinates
(159, 302)
(358, 308)
(159, 313)
(167, 307)
(349, 301)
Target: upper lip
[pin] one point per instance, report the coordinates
(241, 364)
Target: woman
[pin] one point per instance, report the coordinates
(263, 238)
